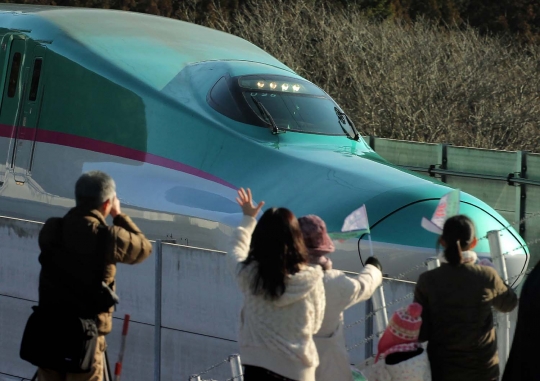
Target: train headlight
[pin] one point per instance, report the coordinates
(279, 84)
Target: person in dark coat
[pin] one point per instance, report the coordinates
(457, 299)
(74, 241)
(523, 361)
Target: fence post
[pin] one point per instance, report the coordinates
(503, 320)
(371, 142)
(368, 347)
(236, 367)
(497, 256)
(379, 306)
(443, 158)
(521, 193)
(157, 315)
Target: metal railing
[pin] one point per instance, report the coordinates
(236, 369)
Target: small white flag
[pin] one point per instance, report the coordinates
(448, 207)
(357, 220)
(354, 225)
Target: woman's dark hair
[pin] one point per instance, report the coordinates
(458, 234)
(277, 247)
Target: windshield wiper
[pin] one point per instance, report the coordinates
(344, 119)
(267, 116)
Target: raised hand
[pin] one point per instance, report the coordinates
(115, 209)
(374, 262)
(245, 200)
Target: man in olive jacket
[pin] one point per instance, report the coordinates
(75, 239)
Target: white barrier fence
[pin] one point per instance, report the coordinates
(184, 307)
(502, 319)
(183, 302)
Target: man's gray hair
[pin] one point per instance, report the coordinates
(93, 189)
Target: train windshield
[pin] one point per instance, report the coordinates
(284, 103)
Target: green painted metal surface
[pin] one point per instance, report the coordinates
(141, 82)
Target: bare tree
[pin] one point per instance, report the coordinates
(400, 80)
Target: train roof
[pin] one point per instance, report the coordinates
(152, 48)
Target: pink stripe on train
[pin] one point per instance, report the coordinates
(68, 140)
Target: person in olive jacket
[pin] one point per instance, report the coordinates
(74, 239)
(457, 318)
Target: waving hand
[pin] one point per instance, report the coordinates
(245, 200)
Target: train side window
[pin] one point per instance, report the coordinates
(223, 101)
(36, 74)
(14, 75)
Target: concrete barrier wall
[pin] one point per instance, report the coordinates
(183, 302)
(19, 271)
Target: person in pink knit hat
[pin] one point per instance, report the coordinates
(341, 292)
(400, 356)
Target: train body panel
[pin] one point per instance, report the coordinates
(172, 111)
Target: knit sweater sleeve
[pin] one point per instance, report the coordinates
(319, 305)
(363, 285)
(240, 242)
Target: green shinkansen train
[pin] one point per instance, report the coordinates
(181, 116)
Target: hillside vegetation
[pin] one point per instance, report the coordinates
(407, 78)
(520, 18)
(412, 81)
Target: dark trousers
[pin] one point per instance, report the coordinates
(255, 373)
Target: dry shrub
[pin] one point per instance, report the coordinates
(405, 81)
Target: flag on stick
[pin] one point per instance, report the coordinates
(448, 207)
(354, 226)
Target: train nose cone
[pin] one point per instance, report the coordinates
(403, 245)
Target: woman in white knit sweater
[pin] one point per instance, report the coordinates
(283, 296)
(342, 292)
